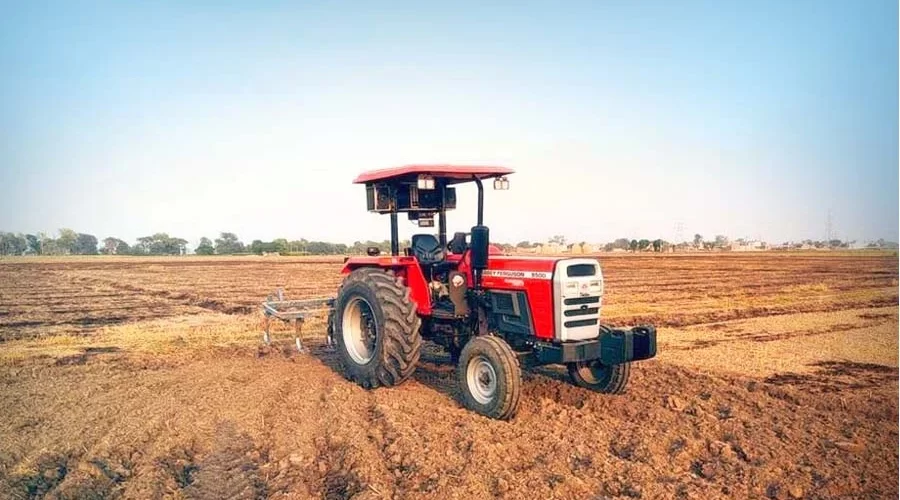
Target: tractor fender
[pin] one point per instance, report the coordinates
(406, 267)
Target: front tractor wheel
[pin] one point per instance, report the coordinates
(601, 378)
(376, 329)
(489, 377)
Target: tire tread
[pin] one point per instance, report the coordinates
(401, 342)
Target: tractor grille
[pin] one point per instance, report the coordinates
(584, 311)
(578, 291)
(581, 300)
(581, 322)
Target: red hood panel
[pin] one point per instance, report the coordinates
(511, 262)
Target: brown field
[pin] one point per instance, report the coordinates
(146, 378)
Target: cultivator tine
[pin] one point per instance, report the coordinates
(266, 337)
(298, 326)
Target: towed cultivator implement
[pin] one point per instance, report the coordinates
(495, 314)
(293, 312)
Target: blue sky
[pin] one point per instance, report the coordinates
(750, 119)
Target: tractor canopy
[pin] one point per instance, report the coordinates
(426, 191)
(449, 174)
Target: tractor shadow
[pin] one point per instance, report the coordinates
(437, 371)
(85, 355)
(434, 370)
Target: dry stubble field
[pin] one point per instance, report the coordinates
(145, 378)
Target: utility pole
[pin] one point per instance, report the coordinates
(679, 232)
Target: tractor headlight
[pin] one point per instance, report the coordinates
(596, 286)
(425, 182)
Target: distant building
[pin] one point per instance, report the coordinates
(552, 248)
(749, 246)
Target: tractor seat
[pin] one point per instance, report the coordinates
(427, 249)
(458, 244)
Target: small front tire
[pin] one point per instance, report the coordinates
(600, 378)
(489, 377)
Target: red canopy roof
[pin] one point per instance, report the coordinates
(453, 173)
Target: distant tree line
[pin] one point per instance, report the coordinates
(70, 242)
(66, 243)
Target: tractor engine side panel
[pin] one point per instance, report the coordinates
(510, 313)
(533, 277)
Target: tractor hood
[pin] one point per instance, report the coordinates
(514, 266)
(565, 293)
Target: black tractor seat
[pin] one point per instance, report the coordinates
(429, 253)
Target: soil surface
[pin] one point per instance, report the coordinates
(791, 392)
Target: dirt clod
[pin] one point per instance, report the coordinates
(850, 447)
(674, 403)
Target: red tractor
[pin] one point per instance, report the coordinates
(494, 313)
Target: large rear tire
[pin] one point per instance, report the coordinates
(489, 377)
(376, 329)
(601, 378)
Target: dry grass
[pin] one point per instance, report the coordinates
(794, 343)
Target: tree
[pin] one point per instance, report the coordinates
(66, 241)
(623, 243)
(205, 247)
(280, 245)
(523, 244)
(177, 246)
(49, 246)
(46, 243)
(115, 246)
(228, 243)
(34, 244)
(143, 245)
(12, 244)
(698, 239)
(643, 245)
(721, 241)
(85, 244)
(633, 245)
(558, 239)
(161, 244)
(320, 248)
(657, 245)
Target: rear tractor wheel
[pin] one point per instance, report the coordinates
(376, 329)
(608, 379)
(489, 377)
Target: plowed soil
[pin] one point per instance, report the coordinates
(120, 378)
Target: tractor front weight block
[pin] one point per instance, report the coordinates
(612, 347)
